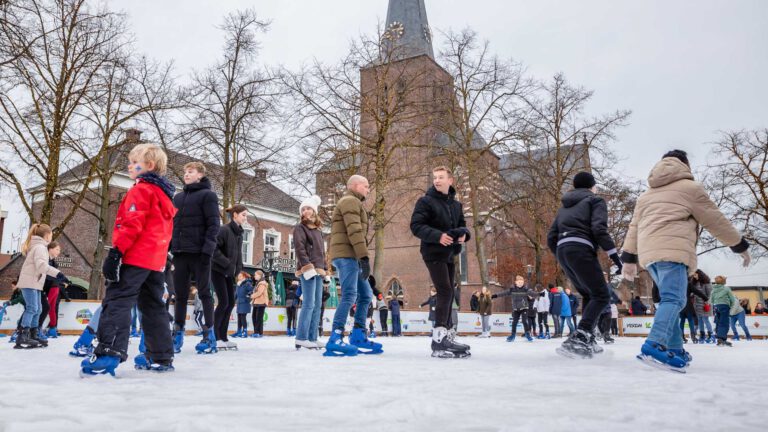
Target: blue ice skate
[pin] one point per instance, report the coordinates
(685, 355)
(736, 337)
(511, 338)
(208, 344)
(237, 334)
(658, 356)
(336, 347)
(135, 334)
(13, 337)
(53, 333)
(142, 345)
(178, 338)
(99, 365)
(142, 362)
(528, 336)
(83, 347)
(359, 339)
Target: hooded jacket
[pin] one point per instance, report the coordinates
(36, 265)
(666, 218)
(583, 218)
(144, 223)
(436, 214)
(197, 221)
(542, 302)
(565, 311)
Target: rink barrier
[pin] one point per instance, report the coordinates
(75, 315)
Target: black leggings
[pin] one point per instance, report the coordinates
(258, 318)
(225, 292)
(185, 266)
(442, 275)
(291, 314)
(543, 323)
(583, 269)
(45, 308)
(242, 322)
(516, 315)
(615, 326)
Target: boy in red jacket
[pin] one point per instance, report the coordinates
(134, 269)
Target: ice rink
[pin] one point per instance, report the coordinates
(267, 386)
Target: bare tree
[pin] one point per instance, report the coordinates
(231, 107)
(737, 179)
(62, 46)
(482, 117)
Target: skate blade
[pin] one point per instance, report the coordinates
(652, 362)
(450, 355)
(328, 353)
(90, 375)
(571, 355)
(369, 352)
(299, 348)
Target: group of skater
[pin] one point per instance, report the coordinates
(164, 241)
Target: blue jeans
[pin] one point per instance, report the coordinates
(396, 328)
(722, 313)
(569, 320)
(31, 315)
(309, 316)
(741, 318)
(704, 321)
(672, 280)
(354, 290)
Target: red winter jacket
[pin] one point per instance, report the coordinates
(143, 226)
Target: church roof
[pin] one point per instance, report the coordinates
(408, 29)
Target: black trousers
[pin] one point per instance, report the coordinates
(258, 318)
(291, 316)
(45, 308)
(225, 293)
(320, 324)
(532, 323)
(605, 323)
(582, 268)
(615, 326)
(516, 317)
(242, 322)
(543, 323)
(186, 266)
(383, 313)
(442, 275)
(146, 287)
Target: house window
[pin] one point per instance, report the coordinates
(463, 264)
(247, 244)
(272, 240)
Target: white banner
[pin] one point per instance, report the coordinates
(641, 326)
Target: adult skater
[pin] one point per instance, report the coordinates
(579, 229)
(662, 238)
(438, 221)
(227, 264)
(350, 257)
(195, 228)
(311, 270)
(135, 267)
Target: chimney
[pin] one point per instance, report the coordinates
(260, 174)
(133, 135)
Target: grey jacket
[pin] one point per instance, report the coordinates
(698, 303)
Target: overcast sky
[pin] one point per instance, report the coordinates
(686, 69)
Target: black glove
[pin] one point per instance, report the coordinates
(616, 260)
(111, 266)
(66, 280)
(493, 296)
(365, 266)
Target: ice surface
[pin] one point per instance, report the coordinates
(267, 385)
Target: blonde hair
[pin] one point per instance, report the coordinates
(720, 280)
(442, 168)
(40, 230)
(149, 152)
(197, 166)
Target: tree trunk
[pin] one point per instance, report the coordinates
(95, 280)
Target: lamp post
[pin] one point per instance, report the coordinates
(269, 263)
(529, 269)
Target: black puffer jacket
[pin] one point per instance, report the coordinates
(436, 214)
(519, 296)
(583, 215)
(197, 221)
(228, 255)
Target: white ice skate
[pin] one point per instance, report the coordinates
(306, 345)
(226, 346)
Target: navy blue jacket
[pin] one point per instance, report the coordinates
(555, 303)
(394, 306)
(243, 296)
(197, 220)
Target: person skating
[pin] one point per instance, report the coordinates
(542, 306)
(227, 264)
(381, 305)
(349, 254)
(53, 290)
(326, 296)
(438, 221)
(243, 300)
(135, 268)
(574, 300)
(432, 302)
(738, 315)
(291, 306)
(722, 300)
(519, 293)
(532, 312)
(580, 228)
(31, 280)
(555, 309)
(662, 237)
(688, 313)
(565, 313)
(311, 270)
(259, 301)
(195, 230)
(485, 309)
(394, 308)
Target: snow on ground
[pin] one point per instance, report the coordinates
(267, 385)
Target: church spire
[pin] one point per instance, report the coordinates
(407, 28)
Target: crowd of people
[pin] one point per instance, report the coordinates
(168, 245)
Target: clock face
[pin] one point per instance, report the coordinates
(427, 34)
(394, 31)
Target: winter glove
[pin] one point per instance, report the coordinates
(65, 279)
(493, 296)
(616, 260)
(111, 266)
(365, 266)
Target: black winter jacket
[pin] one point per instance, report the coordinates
(583, 216)
(197, 221)
(519, 296)
(436, 214)
(228, 255)
(432, 302)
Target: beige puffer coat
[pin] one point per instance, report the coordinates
(664, 225)
(36, 266)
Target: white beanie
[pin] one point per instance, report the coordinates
(312, 202)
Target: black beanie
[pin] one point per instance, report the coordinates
(584, 180)
(683, 156)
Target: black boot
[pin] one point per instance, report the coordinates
(23, 341)
(34, 334)
(578, 345)
(444, 347)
